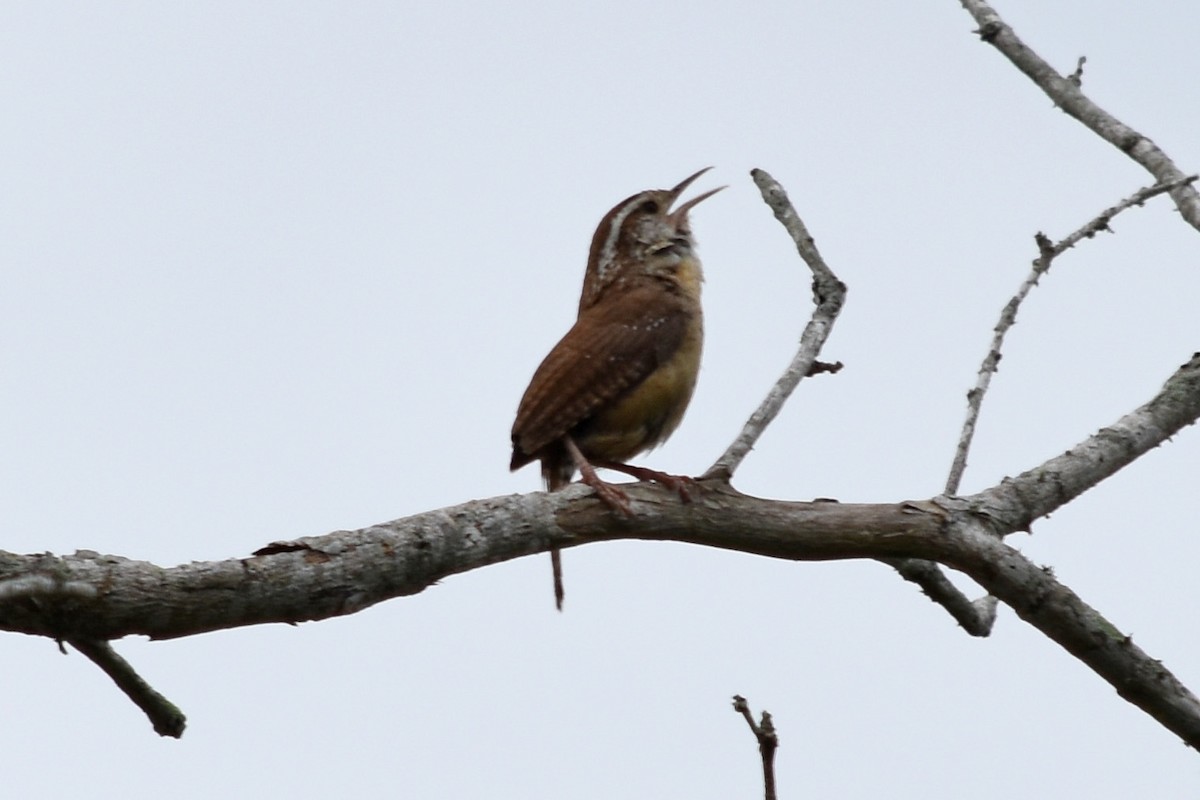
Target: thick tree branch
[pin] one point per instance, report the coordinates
(90, 597)
(343, 572)
(319, 577)
(336, 574)
(1067, 94)
(829, 294)
(1052, 608)
(1018, 501)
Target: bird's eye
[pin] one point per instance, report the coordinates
(650, 207)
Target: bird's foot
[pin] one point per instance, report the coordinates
(681, 484)
(613, 496)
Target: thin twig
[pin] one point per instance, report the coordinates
(768, 741)
(164, 715)
(976, 617)
(828, 292)
(1076, 77)
(1047, 252)
(1067, 95)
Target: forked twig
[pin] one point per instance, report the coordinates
(829, 293)
(768, 741)
(976, 617)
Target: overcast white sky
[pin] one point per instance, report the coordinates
(278, 269)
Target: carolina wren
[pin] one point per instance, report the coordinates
(618, 383)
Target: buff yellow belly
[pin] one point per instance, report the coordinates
(649, 412)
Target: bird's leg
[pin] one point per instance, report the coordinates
(679, 483)
(614, 497)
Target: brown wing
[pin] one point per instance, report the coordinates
(611, 348)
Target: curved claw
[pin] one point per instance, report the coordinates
(613, 496)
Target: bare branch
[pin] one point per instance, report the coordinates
(349, 570)
(1067, 94)
(1100, 222)
(166, 718)
(768, 742)
(829, 293)
(1051, 607)
(47, 588)
(346, 571)
(1047, 252)
(1018, 501)
(975, 616)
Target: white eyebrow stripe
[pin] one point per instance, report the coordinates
(608, 251)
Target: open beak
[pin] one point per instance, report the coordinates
(681, 212)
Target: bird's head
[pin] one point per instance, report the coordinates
(642, 236)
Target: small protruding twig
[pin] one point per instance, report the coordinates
(824, 366)
(164, 715)
(53, 584)
(828, 292)
(768, 741)
(1047, 252)
(1076, 77)
(975, 616)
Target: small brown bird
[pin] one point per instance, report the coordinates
(618, 383)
